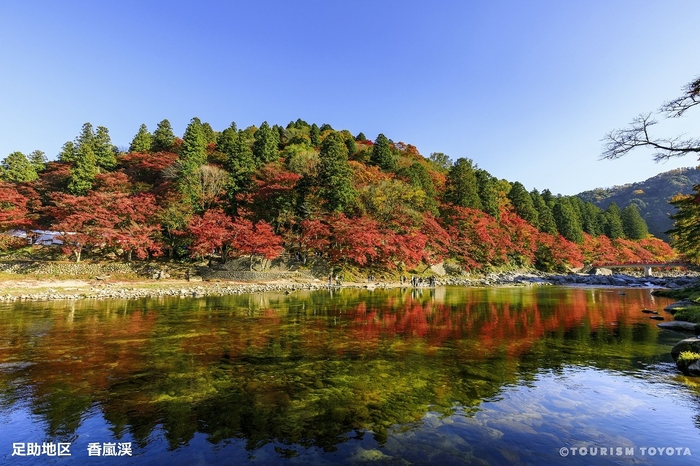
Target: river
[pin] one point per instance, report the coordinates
(512, 375)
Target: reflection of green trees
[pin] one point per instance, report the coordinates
(305, 369)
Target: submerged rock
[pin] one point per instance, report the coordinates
(678, 325)
(678, 305)
(689, 366)
(689, 344)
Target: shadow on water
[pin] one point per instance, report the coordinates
(427, 376)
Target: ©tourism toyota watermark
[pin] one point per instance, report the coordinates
(596, 450)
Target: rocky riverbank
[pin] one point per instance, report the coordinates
(671, 280)
(104, 289)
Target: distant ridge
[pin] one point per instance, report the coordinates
(651, 197)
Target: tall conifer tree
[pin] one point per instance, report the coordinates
(522, 203)
(461, 187)
(142, 141)
(686, 225)
(566, 220)
(545, 218)
(334, 174)
(590, 219)
(382, 155)
(240, 163)
(315, 135)
(68, 152)
(633, 225)
(163, 137)
(265, 147)
(83, 172)
(38, 160)
(17, 168)
(487, 187)
(104, 150)
(613, 222)
(192, 156)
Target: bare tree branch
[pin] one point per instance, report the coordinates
(690, 98)
(621, 141)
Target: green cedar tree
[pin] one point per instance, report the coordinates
(104, 150)
(685, 233)
(613, 223)
(265, 147)
(68, 152)
(315, 135)
(633, 225)
(209, 133)
(192, 156)
(567, 223)
(590, 219)
(487, 186)
(38, 160)
(83, 171)
(17, 168)
(461, 187)
(522, 203)
(240, 163)
(335, 175)
(163, 137)
(545, 218)
(382, 155)
(142, 141)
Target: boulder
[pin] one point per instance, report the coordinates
(689, 344)
(692, 368)
(602, 271)
(678, 325)
(677, 306)
(439, 269)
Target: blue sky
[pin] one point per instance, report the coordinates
(525, 89)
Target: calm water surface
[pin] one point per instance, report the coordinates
(448, 376)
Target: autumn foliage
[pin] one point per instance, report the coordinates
(257, 193)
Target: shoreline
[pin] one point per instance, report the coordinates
(53, 289)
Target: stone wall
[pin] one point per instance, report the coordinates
(66, 268)
(248, 276)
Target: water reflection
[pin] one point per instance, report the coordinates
(351, 376)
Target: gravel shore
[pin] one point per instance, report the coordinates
(73, 290)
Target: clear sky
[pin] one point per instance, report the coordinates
(527, 89)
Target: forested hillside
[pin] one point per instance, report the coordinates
(651, 197)
(316, 192)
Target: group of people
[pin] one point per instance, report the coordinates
(417, 282)
(338, 280)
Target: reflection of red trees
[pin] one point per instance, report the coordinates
(490, 327)
(89, 356)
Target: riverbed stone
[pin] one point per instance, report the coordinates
(689, 344)
(677, 306)
(678, 325)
